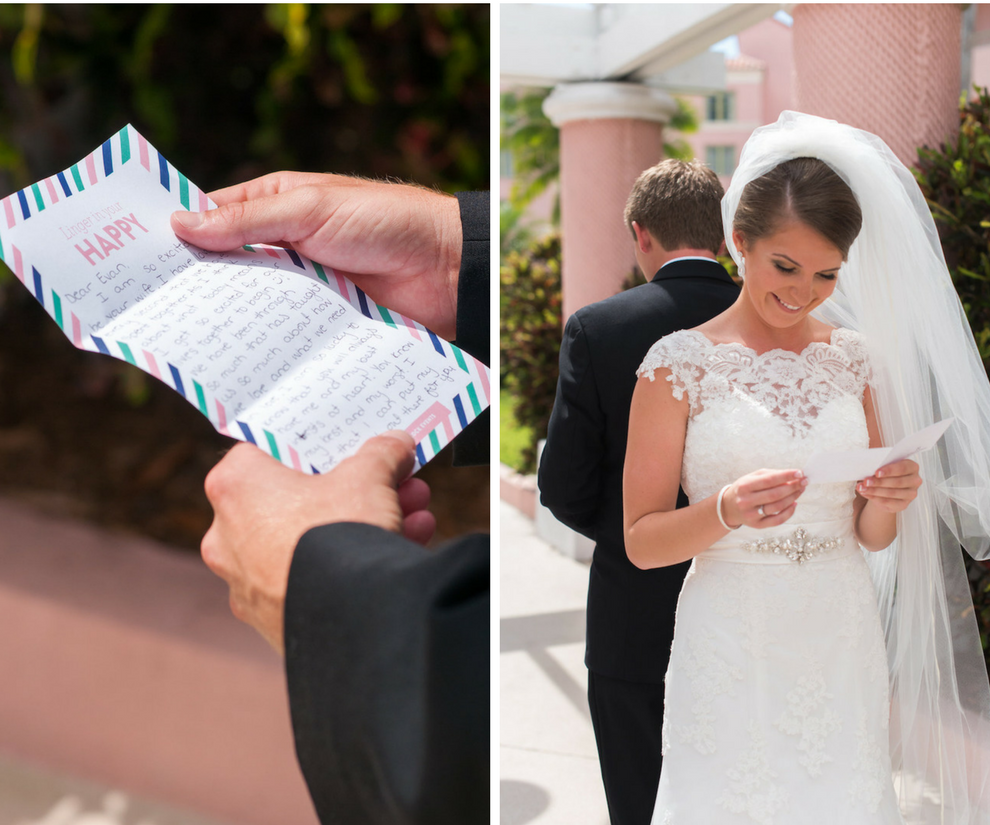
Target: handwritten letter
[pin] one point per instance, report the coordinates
(273, 348)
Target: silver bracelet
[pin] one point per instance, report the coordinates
(718, 509)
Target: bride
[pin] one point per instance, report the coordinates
(803, 686)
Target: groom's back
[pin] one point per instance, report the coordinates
(630, 611)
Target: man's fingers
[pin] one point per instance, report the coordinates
(239, 464)
(419, 526)
(414, 494)
(266, 185)
(282, 217)
(386, 459)
(209, 548)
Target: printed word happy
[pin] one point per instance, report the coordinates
(111, 239)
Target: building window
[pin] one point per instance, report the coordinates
(722, 159)
(722, 106)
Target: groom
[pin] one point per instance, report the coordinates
(675, 218)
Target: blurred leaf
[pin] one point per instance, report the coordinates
(685, 119)
(384, 15)
(135, 385)
(24, 54)
(151, 28)
(342, 47)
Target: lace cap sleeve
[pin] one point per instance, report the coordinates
(677, 352)
(853, 344)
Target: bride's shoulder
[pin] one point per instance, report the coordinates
(846, 338)
(852, 345)
(683, 337)
(676, 351)
(680, 342)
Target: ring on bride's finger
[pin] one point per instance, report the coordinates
(761, 511)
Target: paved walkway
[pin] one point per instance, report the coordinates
(32, 796)
(549, 765)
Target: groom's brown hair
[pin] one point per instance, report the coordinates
(679, 204)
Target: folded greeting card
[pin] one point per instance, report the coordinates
(854, 465)
(273, 348)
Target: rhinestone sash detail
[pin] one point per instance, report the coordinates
(799, 546)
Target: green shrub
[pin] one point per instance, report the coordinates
(531, 329)
(955, 179)
(529, 336)
(512, 438)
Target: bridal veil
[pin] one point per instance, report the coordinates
(895, 289)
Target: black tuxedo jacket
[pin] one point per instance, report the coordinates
(387, 643)
(630, 611)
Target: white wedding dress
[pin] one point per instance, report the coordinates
(776, 708)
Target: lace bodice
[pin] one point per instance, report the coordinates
(748, 411)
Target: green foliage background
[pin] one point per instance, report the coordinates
(530, 305)
(228, 92)
(955, 179)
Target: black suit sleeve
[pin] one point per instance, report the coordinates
(473, 314)
(386, 653)
(570, 468)
(386, 643)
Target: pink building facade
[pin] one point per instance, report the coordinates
(980, 43)
(890, 69)
(758, 87)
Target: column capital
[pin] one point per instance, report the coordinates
(607, 100)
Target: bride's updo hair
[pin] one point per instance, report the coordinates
(804, 189)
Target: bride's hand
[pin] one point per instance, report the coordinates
(893, 487)
(765, 498)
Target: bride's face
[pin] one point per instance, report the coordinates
(789, 273)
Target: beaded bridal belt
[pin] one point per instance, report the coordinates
(787, 543)
(799, 546)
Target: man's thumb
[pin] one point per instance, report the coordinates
(224, 228)
(389, 456)
(187, 220)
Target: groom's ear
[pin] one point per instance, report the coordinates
(644, 240)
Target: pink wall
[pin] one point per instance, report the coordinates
(749, 96)
(891, 69)
(980, 66)
(772, 42)
(122, 664)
